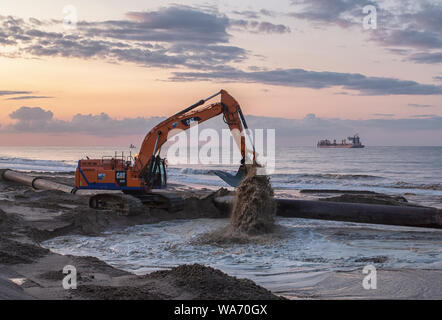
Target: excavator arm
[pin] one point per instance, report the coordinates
(228, 107)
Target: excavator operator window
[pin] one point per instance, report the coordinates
(159, 179)
(163, 173)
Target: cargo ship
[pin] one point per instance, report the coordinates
(355, 142)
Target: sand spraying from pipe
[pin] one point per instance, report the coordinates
(253, 214)
(255, 208)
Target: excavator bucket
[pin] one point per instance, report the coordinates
(232, 180)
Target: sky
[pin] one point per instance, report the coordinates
(105, 72)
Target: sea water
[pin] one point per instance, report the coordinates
(304, 252)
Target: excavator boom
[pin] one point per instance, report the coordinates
(228, 106)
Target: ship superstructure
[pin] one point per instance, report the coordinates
(354, 142)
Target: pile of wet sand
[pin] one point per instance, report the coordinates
(183, 282)
(12, 252)
(209, 283)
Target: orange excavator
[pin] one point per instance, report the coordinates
(143, 179)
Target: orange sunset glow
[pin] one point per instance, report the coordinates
(161, 69)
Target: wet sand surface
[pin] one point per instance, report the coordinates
(391, 284)
(29, 271)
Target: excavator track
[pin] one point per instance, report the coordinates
(130, 205)
(162, 199)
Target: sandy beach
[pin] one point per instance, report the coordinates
(29, 271)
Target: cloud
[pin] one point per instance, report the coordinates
(425, 116)
(254, 26)
(317, 80)
(31, 114)
(268, 13)
(176, 23)
(247, 13)
(413, 26)
(38, 120)
(250, 14)
(104, 124)
(420, 129)
(175, 36)
(410, 25)
(409, 38)
(384, 114)
(152, 39)
(328, 12)
(401, 52)
(415, 105)
(10, 93)
(405, 124)
(29, 97)
(424, 57)
(30, 119)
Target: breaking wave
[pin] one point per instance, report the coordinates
(330, 176)
(405, 185)
(36, 165)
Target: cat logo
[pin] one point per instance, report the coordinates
(120, 178)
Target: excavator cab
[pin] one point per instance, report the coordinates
(156, 177)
